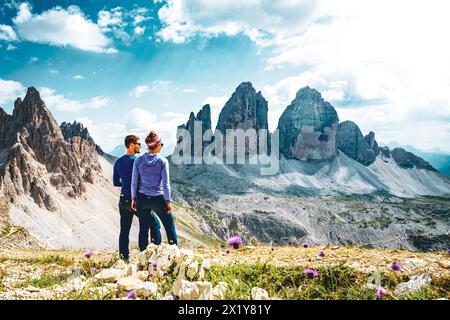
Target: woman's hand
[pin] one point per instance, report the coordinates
(168, 207)
(133, 205)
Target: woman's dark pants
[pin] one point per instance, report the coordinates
(157, 204)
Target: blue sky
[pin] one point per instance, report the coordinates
(131, 66)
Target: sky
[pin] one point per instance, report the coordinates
(123, 67)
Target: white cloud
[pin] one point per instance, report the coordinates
(61, 27)
(375, 100)
(78, 77)
(123, 24)
(53, 71)
(7, 33)
(159, 86)
(261, 20)
(61, 103)
(139, 31)
(111, 18)
(140, 122)
(10, 90)
(34, 59)
(106, 135)
(140, 91)
(11, 47)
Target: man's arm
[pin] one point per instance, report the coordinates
(116, 177)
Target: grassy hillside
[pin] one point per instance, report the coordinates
(342, 273)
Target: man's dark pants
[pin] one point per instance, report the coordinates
(126, 219)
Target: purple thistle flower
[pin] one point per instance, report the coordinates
(131, 294)
(228, 251)
(448, 251)
(88, 254)
(273, 248)
(381, 292)
(235, 242)
(396, 266)
(154, 264)
(93, 270)
(311, 273)
(305, 245)
(321, 253)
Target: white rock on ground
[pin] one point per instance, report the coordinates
(131, 270)
(164, 254)
(109, 275)
(192, 270)
(414, 284)
(128, 283)
(147, 289)
(143, 262)
(206, 264)
(220, 290)
(259, 294)
(182, 269)
(205, 290)
(185, 290)
(142, 275)
(120, 264)
(102, 291)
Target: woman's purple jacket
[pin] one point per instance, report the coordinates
(151, 176)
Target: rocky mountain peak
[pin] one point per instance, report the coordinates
(409, 160)
(32, 115)
(351, 141)
(36, 155)
(75, 129)
(204, 115)
(307, 127)
(307, 93)
(246, 109)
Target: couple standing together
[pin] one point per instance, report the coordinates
(145, 192)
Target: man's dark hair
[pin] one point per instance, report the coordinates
(130, 139)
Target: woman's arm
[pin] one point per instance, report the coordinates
(165, 181)
(134, 180)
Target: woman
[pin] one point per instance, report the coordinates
(150, 191)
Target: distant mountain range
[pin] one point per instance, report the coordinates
(438, 158)
(334, 186)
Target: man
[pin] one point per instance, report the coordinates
(123, 169)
